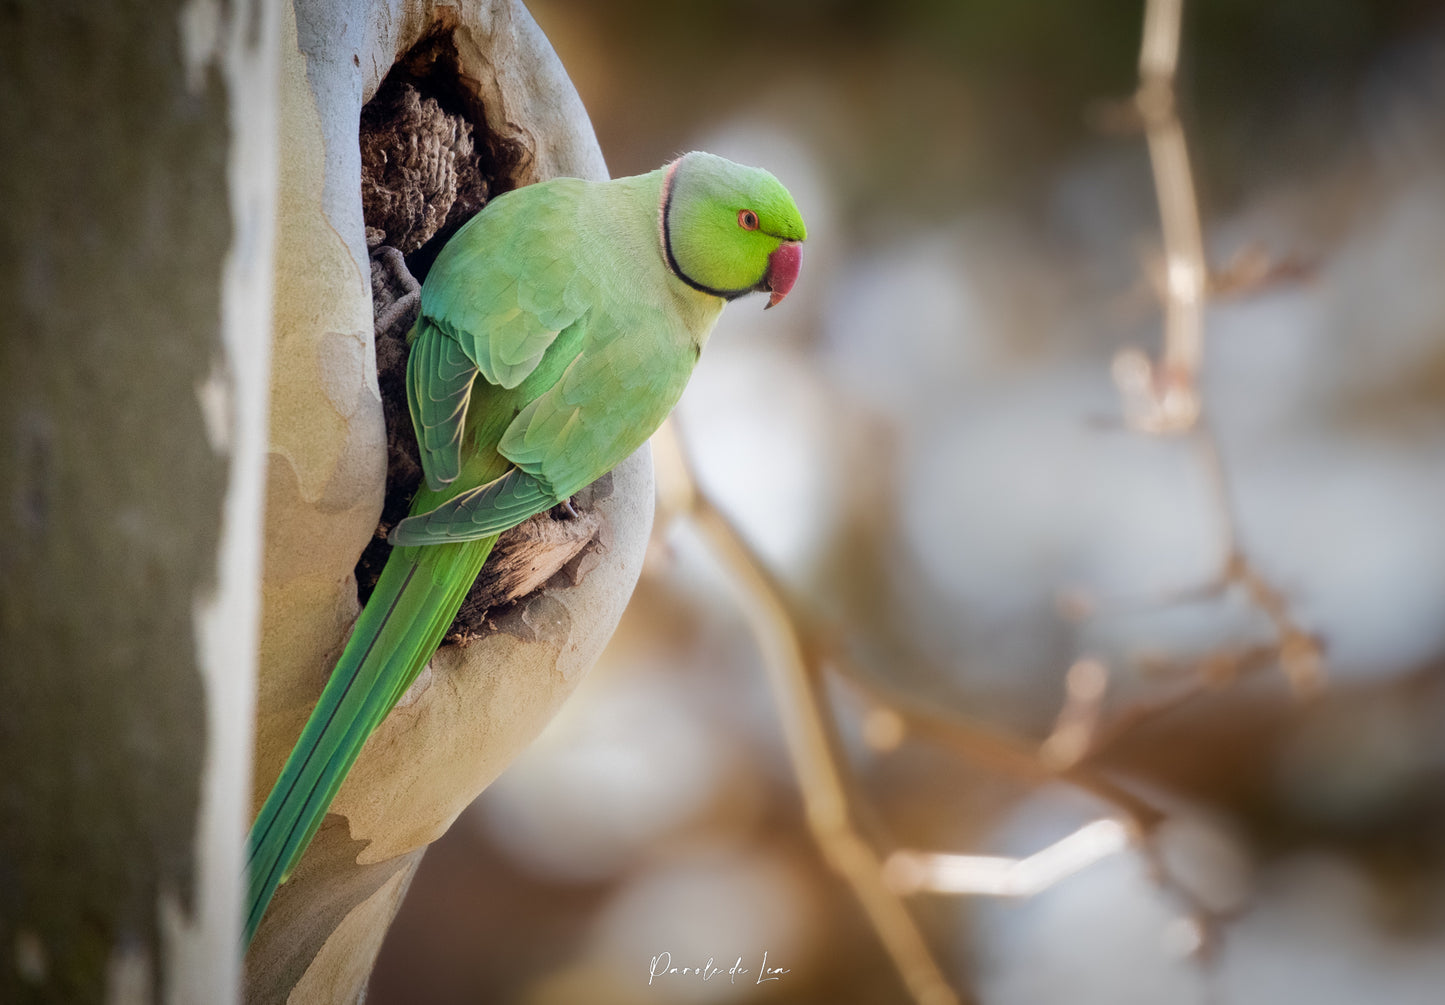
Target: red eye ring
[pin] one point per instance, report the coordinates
(747, 219)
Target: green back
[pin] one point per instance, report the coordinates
(558, 293)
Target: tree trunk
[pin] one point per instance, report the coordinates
(139, 181)
(499, 102)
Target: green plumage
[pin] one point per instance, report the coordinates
(557, 330)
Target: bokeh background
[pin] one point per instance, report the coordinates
(924, 446)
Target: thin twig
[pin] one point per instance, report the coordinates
(1164, 398)
(994, 747)
(1301, 655)
(1210, 673)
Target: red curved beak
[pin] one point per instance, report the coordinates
(783, 265)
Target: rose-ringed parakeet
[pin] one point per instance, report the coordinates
(558, 328)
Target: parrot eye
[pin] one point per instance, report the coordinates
(747, 219)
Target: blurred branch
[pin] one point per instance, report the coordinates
(1214, 671)
(1301, 655)
(994, 876)
(805, 724)
(795, 654)
(1164, 397)
(1159, 398)
(988, 745)
(1141, 817)
(1253, 270)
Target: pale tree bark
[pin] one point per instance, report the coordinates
(482, 699)
(139, 176)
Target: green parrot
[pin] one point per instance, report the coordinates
(558, 328)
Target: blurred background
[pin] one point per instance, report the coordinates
(925, 448)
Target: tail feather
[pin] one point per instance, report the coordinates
(416, 598)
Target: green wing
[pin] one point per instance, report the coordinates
(607, 402)
(494, 302)
(604, 404)
(508, 282)
(440, 377)
(482, 512)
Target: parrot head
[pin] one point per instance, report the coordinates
(728, 230)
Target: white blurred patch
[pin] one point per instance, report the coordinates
(608, 778)
(710, 903)
(1305, 930)
(1097, 939)
(1108, 934)
(763, 433)
(1315, 937)
(1263, 359)
(1017, 498)
(1350, 530)
(904, 324)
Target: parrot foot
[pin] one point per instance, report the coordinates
(564, 510)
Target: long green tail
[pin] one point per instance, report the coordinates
(415, 600)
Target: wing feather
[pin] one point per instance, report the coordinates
(439, 384)
(486, 510)
(506, 313)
